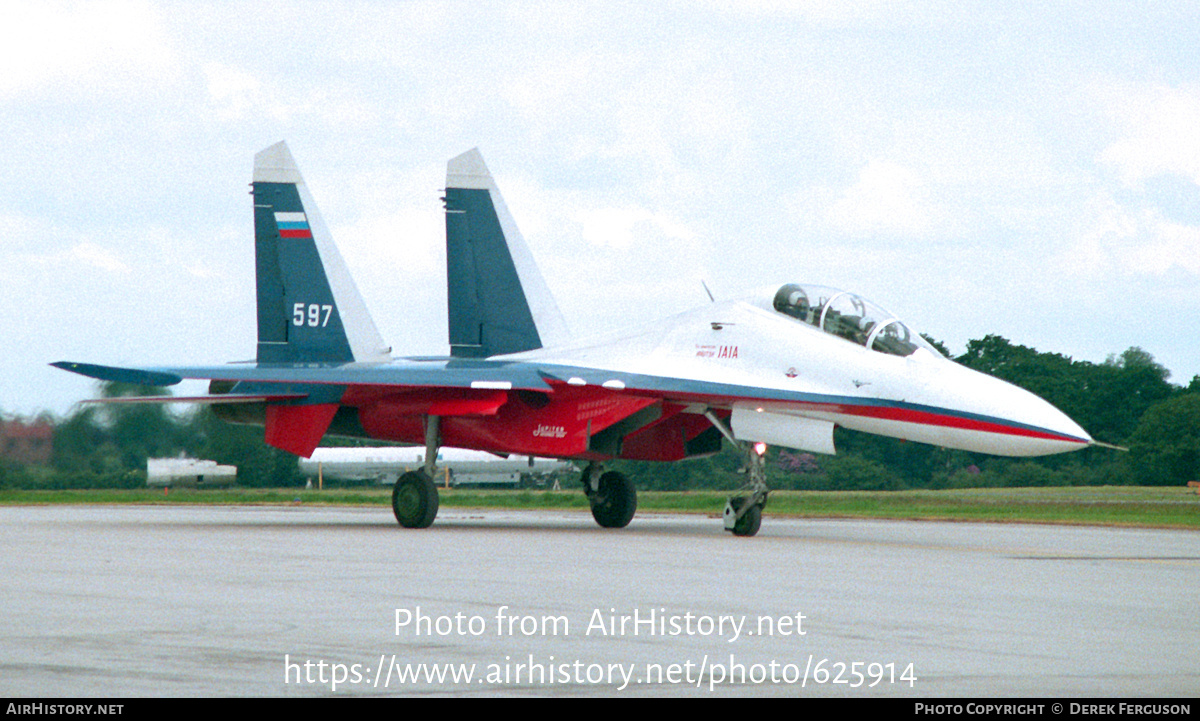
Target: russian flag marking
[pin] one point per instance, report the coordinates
(292, 225)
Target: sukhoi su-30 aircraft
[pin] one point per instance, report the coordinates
(782, 366)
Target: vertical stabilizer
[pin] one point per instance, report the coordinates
(498, 301)
(309, 309)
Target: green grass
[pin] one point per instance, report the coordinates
(1105, 505)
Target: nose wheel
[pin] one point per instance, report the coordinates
(741, 522)
(743, 511)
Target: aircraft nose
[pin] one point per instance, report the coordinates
(1028, 425)
(1057, 422)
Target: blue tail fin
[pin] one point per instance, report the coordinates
(498, 300)
(309, 309)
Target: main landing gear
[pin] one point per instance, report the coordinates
(414, 497)
(611, 495)
(415, 500)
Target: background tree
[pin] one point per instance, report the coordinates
(258, 464)
(1164, 449)
(140, 430)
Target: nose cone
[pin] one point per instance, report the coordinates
(1011, 421)
(1036, 428)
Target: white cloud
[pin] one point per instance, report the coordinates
(1124, 242)
(35, 247)
(96, 256)
(622, 228)
(237, 96)
(86, 46)
(232, 91)
(1160, 131)
(887, 199)
(1171, 246)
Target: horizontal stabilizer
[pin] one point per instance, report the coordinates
(134, 376)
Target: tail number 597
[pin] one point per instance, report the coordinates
(311, 314)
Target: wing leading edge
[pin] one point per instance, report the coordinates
(502, 406)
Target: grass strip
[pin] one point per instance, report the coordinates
(1102, 505)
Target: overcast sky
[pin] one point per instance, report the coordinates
(1030, 170)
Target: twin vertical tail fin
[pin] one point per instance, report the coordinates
(498, 301)
(309, 310)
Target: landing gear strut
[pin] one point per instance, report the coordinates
(611, 495)
(743, 513)
(743, 510)
(414, 497)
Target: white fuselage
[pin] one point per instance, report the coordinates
(787, 383)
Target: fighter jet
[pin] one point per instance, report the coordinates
(780, 366)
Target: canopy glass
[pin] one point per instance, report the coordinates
(848, 316)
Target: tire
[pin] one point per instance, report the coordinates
(614, 504)
(415, 500)
(749, 523)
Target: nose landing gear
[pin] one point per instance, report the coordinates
(743, 513)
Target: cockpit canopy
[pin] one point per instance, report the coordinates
(848, 316)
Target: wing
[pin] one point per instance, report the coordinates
(496, 405)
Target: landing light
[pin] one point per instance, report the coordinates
(760, 448)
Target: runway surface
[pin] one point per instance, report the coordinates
(270, 601)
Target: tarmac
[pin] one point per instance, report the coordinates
(174, 601)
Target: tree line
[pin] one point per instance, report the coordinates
(1127, 401)
(107, 445)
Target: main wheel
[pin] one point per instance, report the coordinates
(614, 504)
(749, 523)
(415, 500)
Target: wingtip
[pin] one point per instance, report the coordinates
(275, 164)
(137, 376)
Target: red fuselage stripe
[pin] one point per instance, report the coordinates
(937, 419)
